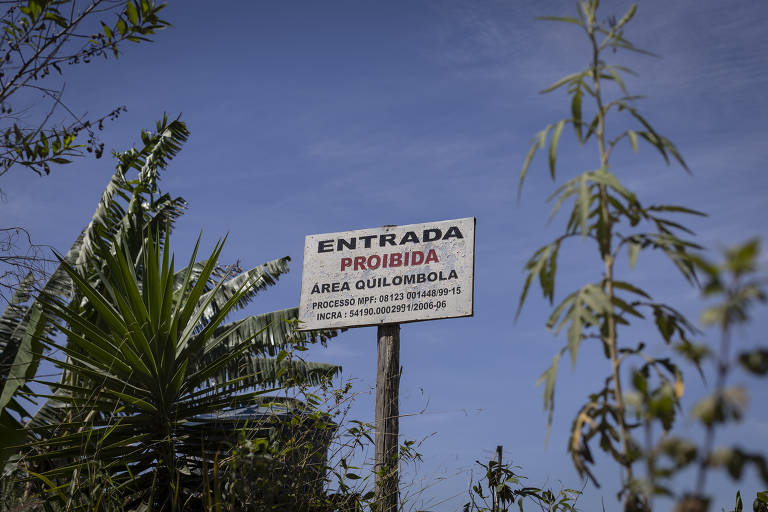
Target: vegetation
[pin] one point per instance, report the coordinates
(739, 287)
(40, 41)
(42, 37)
(124, 310)
(161, 402)
(127, 210)
(611, 217)
(504, 488)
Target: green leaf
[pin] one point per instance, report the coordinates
(734, 460)
(632, 136)
(576, 113)
(583, 203)
(132, 13)
(634, 251)
(563, 19)
(676, 209)
(553, 147)
(755, 361)
(13, 434)
(122, 27)
(107, 31)
(682, 451)
(726, 406)
(695, 353)
(625, 19)
(548, 378)
(563, 81)
(27, 356)
(623, 285)
(528, 159)
(51, 486)
(138, 402)
(575, 332)
(567, 302)
(537, 265)
(614, 75)
(639, 382)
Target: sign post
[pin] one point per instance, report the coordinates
(387, 417)
(384, 277)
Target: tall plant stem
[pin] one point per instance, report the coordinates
(722, 374)
(604, 238)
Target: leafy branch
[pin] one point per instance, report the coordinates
(605, 212)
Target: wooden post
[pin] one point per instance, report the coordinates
(387, 418)
(496, 505)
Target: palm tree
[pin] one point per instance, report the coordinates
(108, 260)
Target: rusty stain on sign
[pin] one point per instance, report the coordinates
(391, 274)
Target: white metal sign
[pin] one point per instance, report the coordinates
(392, 274)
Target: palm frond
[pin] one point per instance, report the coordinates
(269, 333)
(260, 371)
(166, 210)
(10, 322)
(180, 275)
(59, 284)
(254, 281)
(26, 357)
(22, 325)
(52, 412)
(106, 217)
(159, 148)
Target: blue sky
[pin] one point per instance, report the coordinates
(312, 117)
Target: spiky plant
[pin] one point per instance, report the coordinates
(132, 213)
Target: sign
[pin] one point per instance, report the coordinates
(392, 274)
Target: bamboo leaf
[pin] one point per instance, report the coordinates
(526, 164)
(548, 378)
(626, 18)
(583, 203)
(563, 81)
(563, 19)
(575, 332)
(675, 208)
(632, 136)
(51, 486)
(614, 75)
(565, 195)
(558, 311)
(553, 147)
(576, 113)
(623, 285)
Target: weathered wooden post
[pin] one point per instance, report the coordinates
(387, 417)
